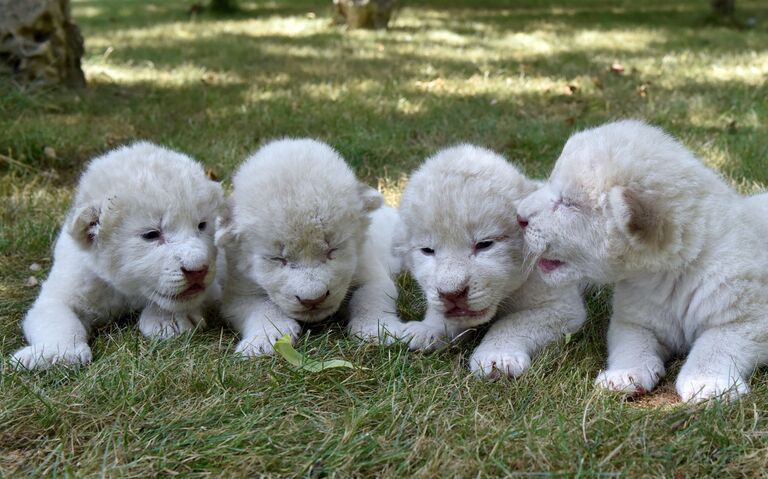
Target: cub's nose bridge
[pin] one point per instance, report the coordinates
(194, 255)
(452, 278)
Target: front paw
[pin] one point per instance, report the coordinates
(157, 325)
(263, 343)
(381, 330)
(697, 389)
(632, 381)
(491, 363)
(43, 356)
(421, 336)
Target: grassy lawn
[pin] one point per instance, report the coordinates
(518, 77)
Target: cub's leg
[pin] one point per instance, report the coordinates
(512, 341)
(373, 310)
(430, 334)
(260, 323)
(159, 323)
(635, 358)
(717, 366)
(55, 335)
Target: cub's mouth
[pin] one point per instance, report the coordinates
(547, 265)
(192, 291)
(459, 312)
(316, 314)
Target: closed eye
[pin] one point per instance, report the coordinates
(279, 259)
(428, 251)
(568, 203)
(330, 252)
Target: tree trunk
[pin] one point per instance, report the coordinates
(372, 14)
(39, 43)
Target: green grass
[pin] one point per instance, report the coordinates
(495, 73)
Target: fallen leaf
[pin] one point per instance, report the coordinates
(617, 68)
(49, 152)
(35, 267)
(211, 175)
(31, 282)
(285, 349)
(642, 90)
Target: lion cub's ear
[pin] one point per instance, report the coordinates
(85, 225)
(637, 215)
(225, 225)
(372, 199)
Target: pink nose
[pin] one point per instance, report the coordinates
(311, 303)
(523, 222)
(194, 276)
(454, 296)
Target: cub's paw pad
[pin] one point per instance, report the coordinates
(703, 388)
(633, 382)
(44, 356)
(494, 363)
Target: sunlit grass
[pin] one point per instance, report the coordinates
(518, 77)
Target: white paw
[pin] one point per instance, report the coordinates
(263, 343)
(376, 330)
(163, 326)
(702, 388)
(43, 356)
(491, 363)
(421, 336)
(633, 381)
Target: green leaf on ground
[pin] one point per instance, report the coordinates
(285, 349)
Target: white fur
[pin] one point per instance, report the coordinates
(102, 266)
(299, 229)
(459, 199)
(628, 204)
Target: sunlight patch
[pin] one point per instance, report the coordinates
(184, 74)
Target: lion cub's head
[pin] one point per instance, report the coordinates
(145, 215)
(623, 198)
(299, 220)
(457, 236)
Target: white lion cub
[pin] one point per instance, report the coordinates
(465, 251)
(627, 204)
(299, 241)
(140, 236)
